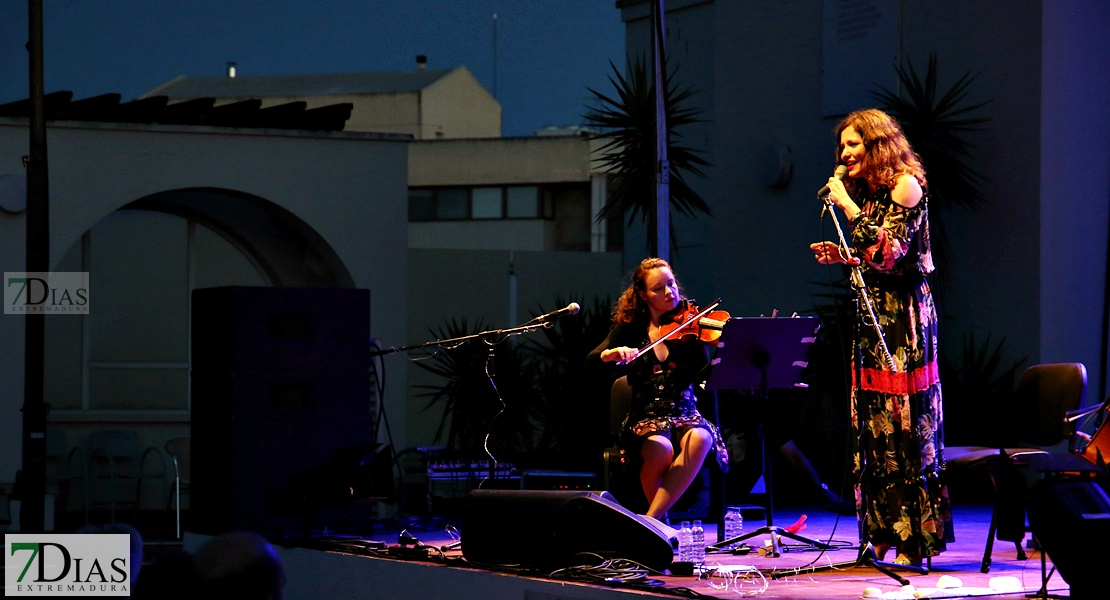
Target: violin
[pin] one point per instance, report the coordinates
(688, 322)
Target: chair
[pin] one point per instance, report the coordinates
(116, 463)
(620, 398)
(1046, 397)
(620, 469)
(179, 451)
(64, 467)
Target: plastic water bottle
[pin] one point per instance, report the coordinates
(697, 556)
(685, 542)
(734, 524)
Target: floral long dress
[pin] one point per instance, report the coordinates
(897, 417)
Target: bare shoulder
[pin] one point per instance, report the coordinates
(907, 191)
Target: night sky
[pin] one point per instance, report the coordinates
(547, 52)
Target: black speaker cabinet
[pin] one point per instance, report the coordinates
(281, 387)
(1071, 520)
(554, 529)
(242, 327)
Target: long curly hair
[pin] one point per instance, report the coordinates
(630, 306)
(888, 156)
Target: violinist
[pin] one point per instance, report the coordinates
(663, 424)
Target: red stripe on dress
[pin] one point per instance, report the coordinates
(902, 384)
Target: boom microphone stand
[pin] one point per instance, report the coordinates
(491, 338)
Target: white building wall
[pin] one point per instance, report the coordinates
(349, 188)
(504, 161)
(457, 106)
(532, 235)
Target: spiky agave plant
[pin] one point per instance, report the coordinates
(937, 128)
(473, 406)
(979, 388)
(626, 120)
(575, 400)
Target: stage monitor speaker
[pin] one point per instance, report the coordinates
(554, 529)
(1071, 521)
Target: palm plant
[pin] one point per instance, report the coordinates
(937, 130)
(983, 390)
(475, 407)
(627, 122)
(575, 399)
(827, 375)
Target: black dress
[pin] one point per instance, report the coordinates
(663, 399)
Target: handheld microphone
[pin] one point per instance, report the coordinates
(570, 309)
(841, 171)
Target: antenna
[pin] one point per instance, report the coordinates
(495, 56)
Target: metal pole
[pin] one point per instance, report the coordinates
(33, 484)
(662, 165)
(494, 56)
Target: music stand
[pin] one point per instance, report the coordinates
(761, 354)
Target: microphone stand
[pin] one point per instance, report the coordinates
(495, 334)
(519, 329)
(860, 287)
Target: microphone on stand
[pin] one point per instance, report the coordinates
(570, 309)
(841, 171)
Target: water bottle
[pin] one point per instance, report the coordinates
(734, 524)
(685, 542)
(697, 555)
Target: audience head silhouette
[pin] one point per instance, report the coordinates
(171, 576)
(241, 565)
(136, 559)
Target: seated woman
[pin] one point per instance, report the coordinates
(663, 423)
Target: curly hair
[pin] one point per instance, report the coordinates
(630, 306)
(889, 155)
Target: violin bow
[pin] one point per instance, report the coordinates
(663, 338)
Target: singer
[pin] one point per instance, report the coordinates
(663, 425)
(897, 417)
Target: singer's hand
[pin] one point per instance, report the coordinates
(839, 196)
(621, 354)
(827, 253)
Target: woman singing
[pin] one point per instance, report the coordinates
(897, 416)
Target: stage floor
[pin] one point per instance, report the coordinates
(316, 571)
